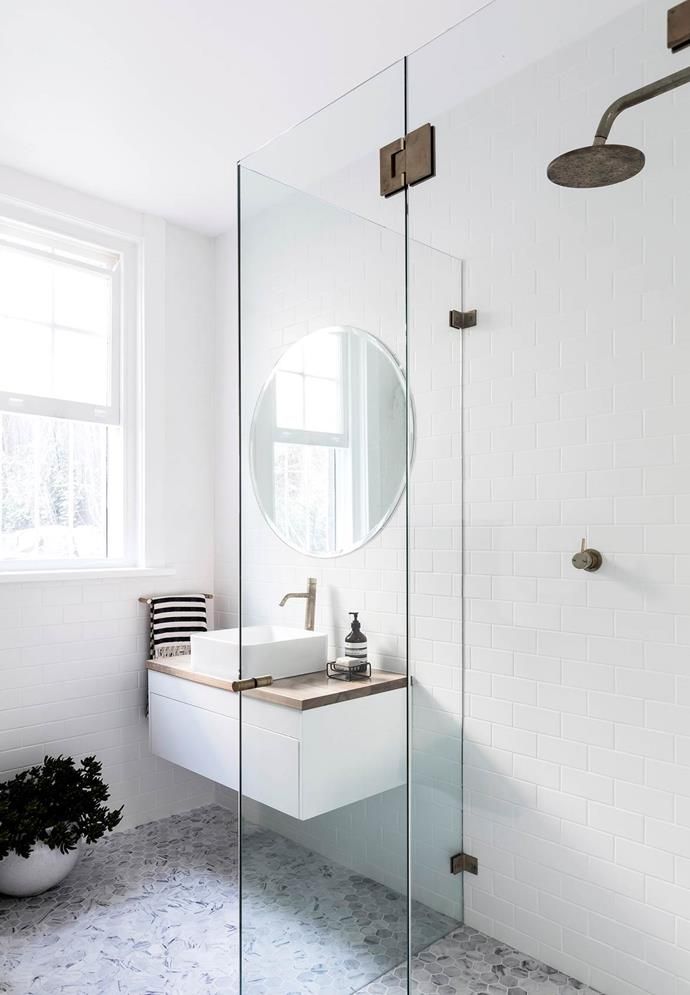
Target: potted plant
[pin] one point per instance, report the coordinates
(45, 813)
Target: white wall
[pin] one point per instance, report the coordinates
(72, 652)
(577, 736)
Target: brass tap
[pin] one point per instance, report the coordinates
(310, 609)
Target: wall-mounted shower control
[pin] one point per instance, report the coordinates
(587, 559)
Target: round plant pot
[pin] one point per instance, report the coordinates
(21, 877)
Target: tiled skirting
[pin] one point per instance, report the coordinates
(154, 911)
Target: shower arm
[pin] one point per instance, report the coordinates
(638, 97)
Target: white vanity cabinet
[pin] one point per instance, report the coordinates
(303, 761)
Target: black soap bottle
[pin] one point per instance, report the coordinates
(356, 641)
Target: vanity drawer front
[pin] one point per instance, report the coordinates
(275, 718)
(195, 738)
(353, 750)
(201, 695)
(270, 769)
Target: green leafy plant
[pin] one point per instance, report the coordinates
(56, 803)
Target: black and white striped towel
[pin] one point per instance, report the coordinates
(174, 617)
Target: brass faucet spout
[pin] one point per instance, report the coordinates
(310, 610)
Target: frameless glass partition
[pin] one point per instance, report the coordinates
(325, 446)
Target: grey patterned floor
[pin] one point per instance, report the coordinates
(467, 962)
(154, 911)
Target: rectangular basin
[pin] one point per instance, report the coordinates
(266, 649)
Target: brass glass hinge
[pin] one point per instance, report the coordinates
(407, 160)
(464, 862)
(462, 319)
(679, 26)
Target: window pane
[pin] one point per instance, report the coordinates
(322, 357)
(289, 400)
(303, 495)
(82, 299)
(80, 369)
(55, 329)
(25, 286)
(52, 489)
(322, 405)
(293, 359)
(25, 357)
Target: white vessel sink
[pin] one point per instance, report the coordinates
(266, 649)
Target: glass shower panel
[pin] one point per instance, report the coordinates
(324, 438)
(575, 424)
(435, 583)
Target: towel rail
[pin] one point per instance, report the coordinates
(146, 600)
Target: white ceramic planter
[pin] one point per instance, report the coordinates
(21, 877)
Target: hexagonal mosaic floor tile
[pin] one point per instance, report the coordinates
(154, 911)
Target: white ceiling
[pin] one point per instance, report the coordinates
(149, 103)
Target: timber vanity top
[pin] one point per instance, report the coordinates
(315, 690)
(302, 693)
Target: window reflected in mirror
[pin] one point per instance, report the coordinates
(328, 446)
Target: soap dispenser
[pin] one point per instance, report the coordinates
(356, 641)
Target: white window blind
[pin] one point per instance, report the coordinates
(67, 449)
(60, 304)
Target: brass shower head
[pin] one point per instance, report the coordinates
(599, 164)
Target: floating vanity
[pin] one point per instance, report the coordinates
(309, 744)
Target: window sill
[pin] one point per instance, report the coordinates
(78, 573)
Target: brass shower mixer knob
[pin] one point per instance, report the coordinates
(587, 559)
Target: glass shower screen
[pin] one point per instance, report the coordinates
(324, 454)
(351, 765)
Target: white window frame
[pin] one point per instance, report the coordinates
(127, 402)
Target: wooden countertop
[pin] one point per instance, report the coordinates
(315, 690)
(303, 692)
(181, 666)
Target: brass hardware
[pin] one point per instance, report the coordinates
(678, 26)
(460, 862)
(392, 167)
(407, 160)
(249, 683)
(310, 610)
(587, 559)
(462, 319)
(147, 600)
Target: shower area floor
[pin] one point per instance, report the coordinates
(155, 911)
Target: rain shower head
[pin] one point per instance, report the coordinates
(599, 164)
(596, 166)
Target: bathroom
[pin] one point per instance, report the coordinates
(403, 361)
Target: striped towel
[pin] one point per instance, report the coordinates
(174, 617)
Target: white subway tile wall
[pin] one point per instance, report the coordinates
(577, 695)
(77, 686)
(435, 578)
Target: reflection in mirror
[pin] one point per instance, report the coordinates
(328, 441)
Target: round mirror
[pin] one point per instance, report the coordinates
(328, 441)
